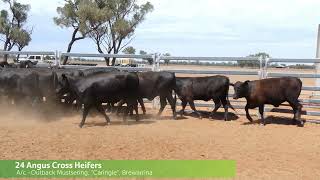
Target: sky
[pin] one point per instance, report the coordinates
(284, 29)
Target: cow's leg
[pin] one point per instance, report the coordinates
(108, 107)
(261, 111)
(298, 115)
(84, 114)
(119, 106)
(113, 108)
(140, 100)
(194, 109)
(173, 105)
(183, 104)
(296, 106)
(102, 111)
(131, 110)
(126, 111)
(294, 120)
(225, 106)
(217, 105)
(131, 103)
(247, 113)
(163, 103)
(136, 109)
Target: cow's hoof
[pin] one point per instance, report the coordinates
(300, 124)
(80, 125)
(108, 123)
(262, 124)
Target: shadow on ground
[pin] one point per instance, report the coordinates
(273, 120)
(215, 116)
(115, 123)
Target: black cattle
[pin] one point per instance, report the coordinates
(94, 71)
(203, 88)
(68, 96)
(18, 84)
(153, 84)
(71, 97)
(272, 91)
(94, 90)
(48, 81)
(5, 64)
(84, 72)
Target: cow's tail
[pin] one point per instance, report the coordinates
(227, 94)
(175, 99)
(175, 94)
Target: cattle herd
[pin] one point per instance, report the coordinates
(90, 88)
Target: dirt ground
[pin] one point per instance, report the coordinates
(276, 151)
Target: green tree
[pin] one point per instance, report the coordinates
(251, 63)
(123, 17)
(129, 50)
(82, 16)
(142, 52)
(150, 60)
(12, 23)
(22, 38)
(167, 60)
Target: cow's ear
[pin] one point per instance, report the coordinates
(231, 84)
(245, 84)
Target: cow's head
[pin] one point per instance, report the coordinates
(63, 85)
(240, 89)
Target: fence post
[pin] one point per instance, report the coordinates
(318, 56)
(154, 62)
(261, 71)
(155, 68)
(56, 57)
(158, 57)
(59, 60)
(265, 68)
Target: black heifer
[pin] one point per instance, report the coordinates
(18, 84)
(272, 91)
(203, 88)
(71, 97)
(94, 71)
(48, 81)
(153, 84)
(94, 90)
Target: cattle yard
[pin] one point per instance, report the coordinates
(275, 151)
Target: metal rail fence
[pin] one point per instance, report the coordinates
(261, 73)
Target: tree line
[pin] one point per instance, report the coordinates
(110, 24)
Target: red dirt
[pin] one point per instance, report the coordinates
(276, 151)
